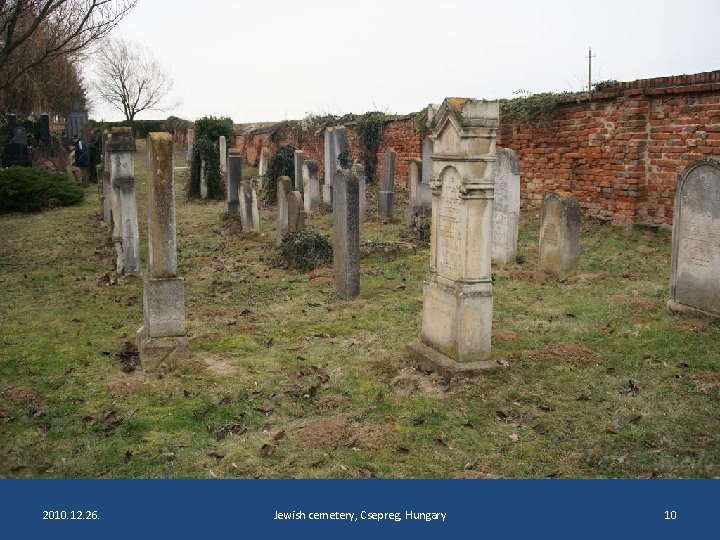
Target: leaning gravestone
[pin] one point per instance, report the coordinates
(346, 235)
(695, 256)
(457, 294)
(506, 208)
(284, 188)
(232, 206)
(386, 197)
(126, 234)
(560, 234)
(161, 339)
(249, 214)
(311, 184)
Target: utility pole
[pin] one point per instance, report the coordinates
(590, 56)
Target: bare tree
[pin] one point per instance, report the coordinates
(33, 32)
(130, 78)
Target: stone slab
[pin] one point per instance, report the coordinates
(163, 353)
(164, 306)
(429, 360)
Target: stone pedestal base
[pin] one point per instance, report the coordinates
(428, 359)
(327, 194)
(161, 353)
(677, 308)
(164, 306)
(386, 200)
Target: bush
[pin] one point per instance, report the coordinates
(208, 131)
(23, 189)
(305, 250)
(281, 164)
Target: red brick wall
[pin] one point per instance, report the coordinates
(620, 152)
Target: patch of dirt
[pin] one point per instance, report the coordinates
(533, 276)
(129, 357)
(693, 325)
(643, 303)
(503, 336)
(331, 402)
(581, 279)
(126, 385)
(410, 382)
(321, 275)
(475, 475)
(340, 430)
(217, 365)
(573, 353)
(709, 379)
(27, 397)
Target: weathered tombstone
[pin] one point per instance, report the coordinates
(126, 234)
(20, 136)
(203, 181)
(249, 214)
(296, 212)
(232, 206)
(346, 235)
(45, 132)
(457, 293)
(330, 166)
(427, 148)
(284, 187)
(264, 162)
(560, 233)
(359, 170)
(695, 255)
(311, 184)
(506, 208)
(222, 148)
(161, 338)
(190, 145)
(386, 197)
(299, 160)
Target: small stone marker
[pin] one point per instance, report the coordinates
(299, 160)
(284, 188)
(457, 293)
(695, 255)
(506, 208)
(126, 234)
(359, 170)
(386, 197)
(232, 206)
(296, 212)
(311, 184)
(249, 214)
(346, 235)
(330, 165)
(560, 234)
(222, 148)
(161, 339)
(190, 145)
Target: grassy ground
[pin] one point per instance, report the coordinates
(287, 381)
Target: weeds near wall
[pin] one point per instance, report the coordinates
(538, 109)
(281, 164)
(208, 131)
(369, 129)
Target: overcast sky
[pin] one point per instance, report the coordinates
(270, 60)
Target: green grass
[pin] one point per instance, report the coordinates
(269, 346)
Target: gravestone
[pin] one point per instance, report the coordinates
(16, 154)
(203, 181)
(296, 212)
(20, 135)
(359, 170)
(506, 208)
(457, 293)
(190, 145)
(284, 188)
(107, 191)
(695, 255)
(232, 206)
(161, 338)
(419, 191)
(299, 160)
(222, 148)
(330, 165)
(126, 234)
(560, 234)
(346, 235)
(427, 147)
(249, 214)
(386, 197)
(311, 184)
(341, 144)
(264, 162)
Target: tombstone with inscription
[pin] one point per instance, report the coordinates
(457, 294)
(695, 255)
(386, 197)
(560, 234)
(506, 208)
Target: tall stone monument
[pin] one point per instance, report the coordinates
(560, 234)
(126, 234)
(161, 339)
(222, 149)
(506, 208)
(311, 185)
(330, 160)
(359, 170)
(695, 255)
(299, 160)
(346, 235)
(457, 293)
(232, 206)
(386, 197)
(284, 188)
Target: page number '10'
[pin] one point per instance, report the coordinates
(670, 514)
